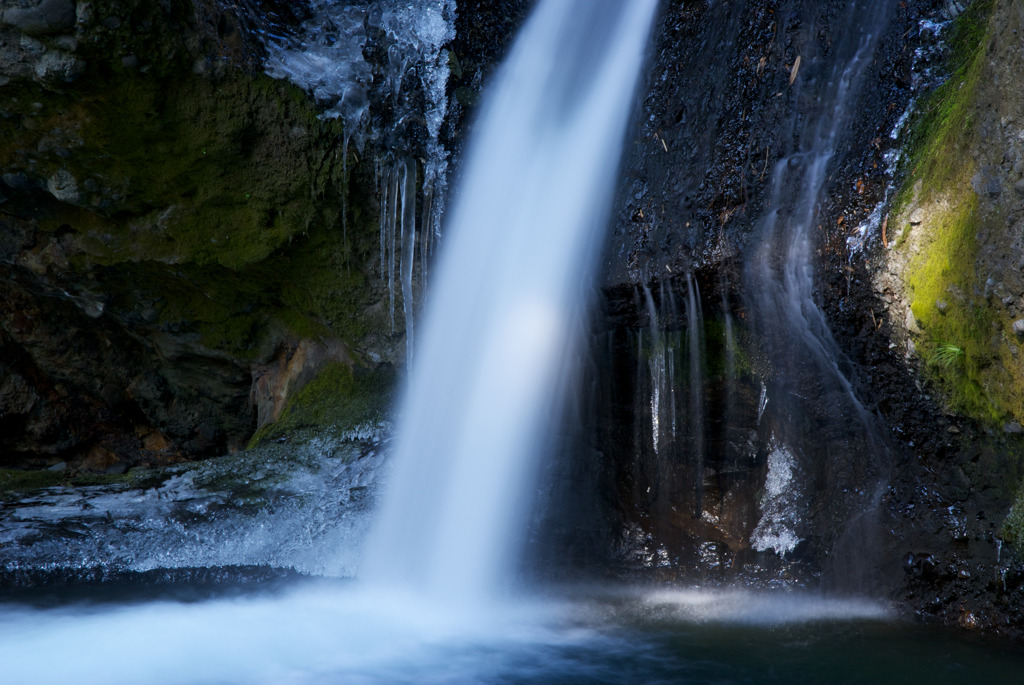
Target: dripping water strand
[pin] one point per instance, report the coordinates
(695, 351)
(656, 364)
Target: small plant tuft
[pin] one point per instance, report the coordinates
(946, 354)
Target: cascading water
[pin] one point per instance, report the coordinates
(808, 371)
(506, 299)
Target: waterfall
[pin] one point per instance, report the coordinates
(506, 299)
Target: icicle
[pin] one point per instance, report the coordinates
(408, 250)
(426, 228)
(638, 406)
(667, 295)
(438, 189)
(762, 402)
(392, 220)
(344, 195)
(656, 401)
(730, 338)
(382, 193)
(670, 372)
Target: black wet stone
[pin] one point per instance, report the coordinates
(49, 16)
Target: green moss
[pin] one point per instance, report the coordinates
(209, 213)
(222, 170)
(944, 126)
(197, 170)
(718, 348)
(338, 399)
(12, 480)
(942, 280)
(1012, 530)
(25, 481)
(214, 202)
(942, 284)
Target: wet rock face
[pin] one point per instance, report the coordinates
(954, 274)
(172, 232)
(697, 168)
(727, 98)
(934, 542)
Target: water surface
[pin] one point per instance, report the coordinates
(338, 632)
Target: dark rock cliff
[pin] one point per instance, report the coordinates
(696, 183)
(172, 235)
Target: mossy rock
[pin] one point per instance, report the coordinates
(339, 401)
(966, 337)
(207, 215)
(18, 481)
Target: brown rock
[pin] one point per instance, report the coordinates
(100, 460)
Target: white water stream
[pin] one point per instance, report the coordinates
(505, 301)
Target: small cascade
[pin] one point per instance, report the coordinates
(843, 454)
(506, 299)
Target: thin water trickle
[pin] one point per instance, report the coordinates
(695, 352)
(809, 372)
(506, 298)
(656, 363)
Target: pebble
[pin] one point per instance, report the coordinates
(63, 186)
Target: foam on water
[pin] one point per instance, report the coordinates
(760, 609)
(341, 633)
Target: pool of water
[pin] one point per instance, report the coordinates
(287, 631)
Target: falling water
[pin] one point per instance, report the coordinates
(506, 298)
(809, 374)
(695, 355)
(656, 363)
